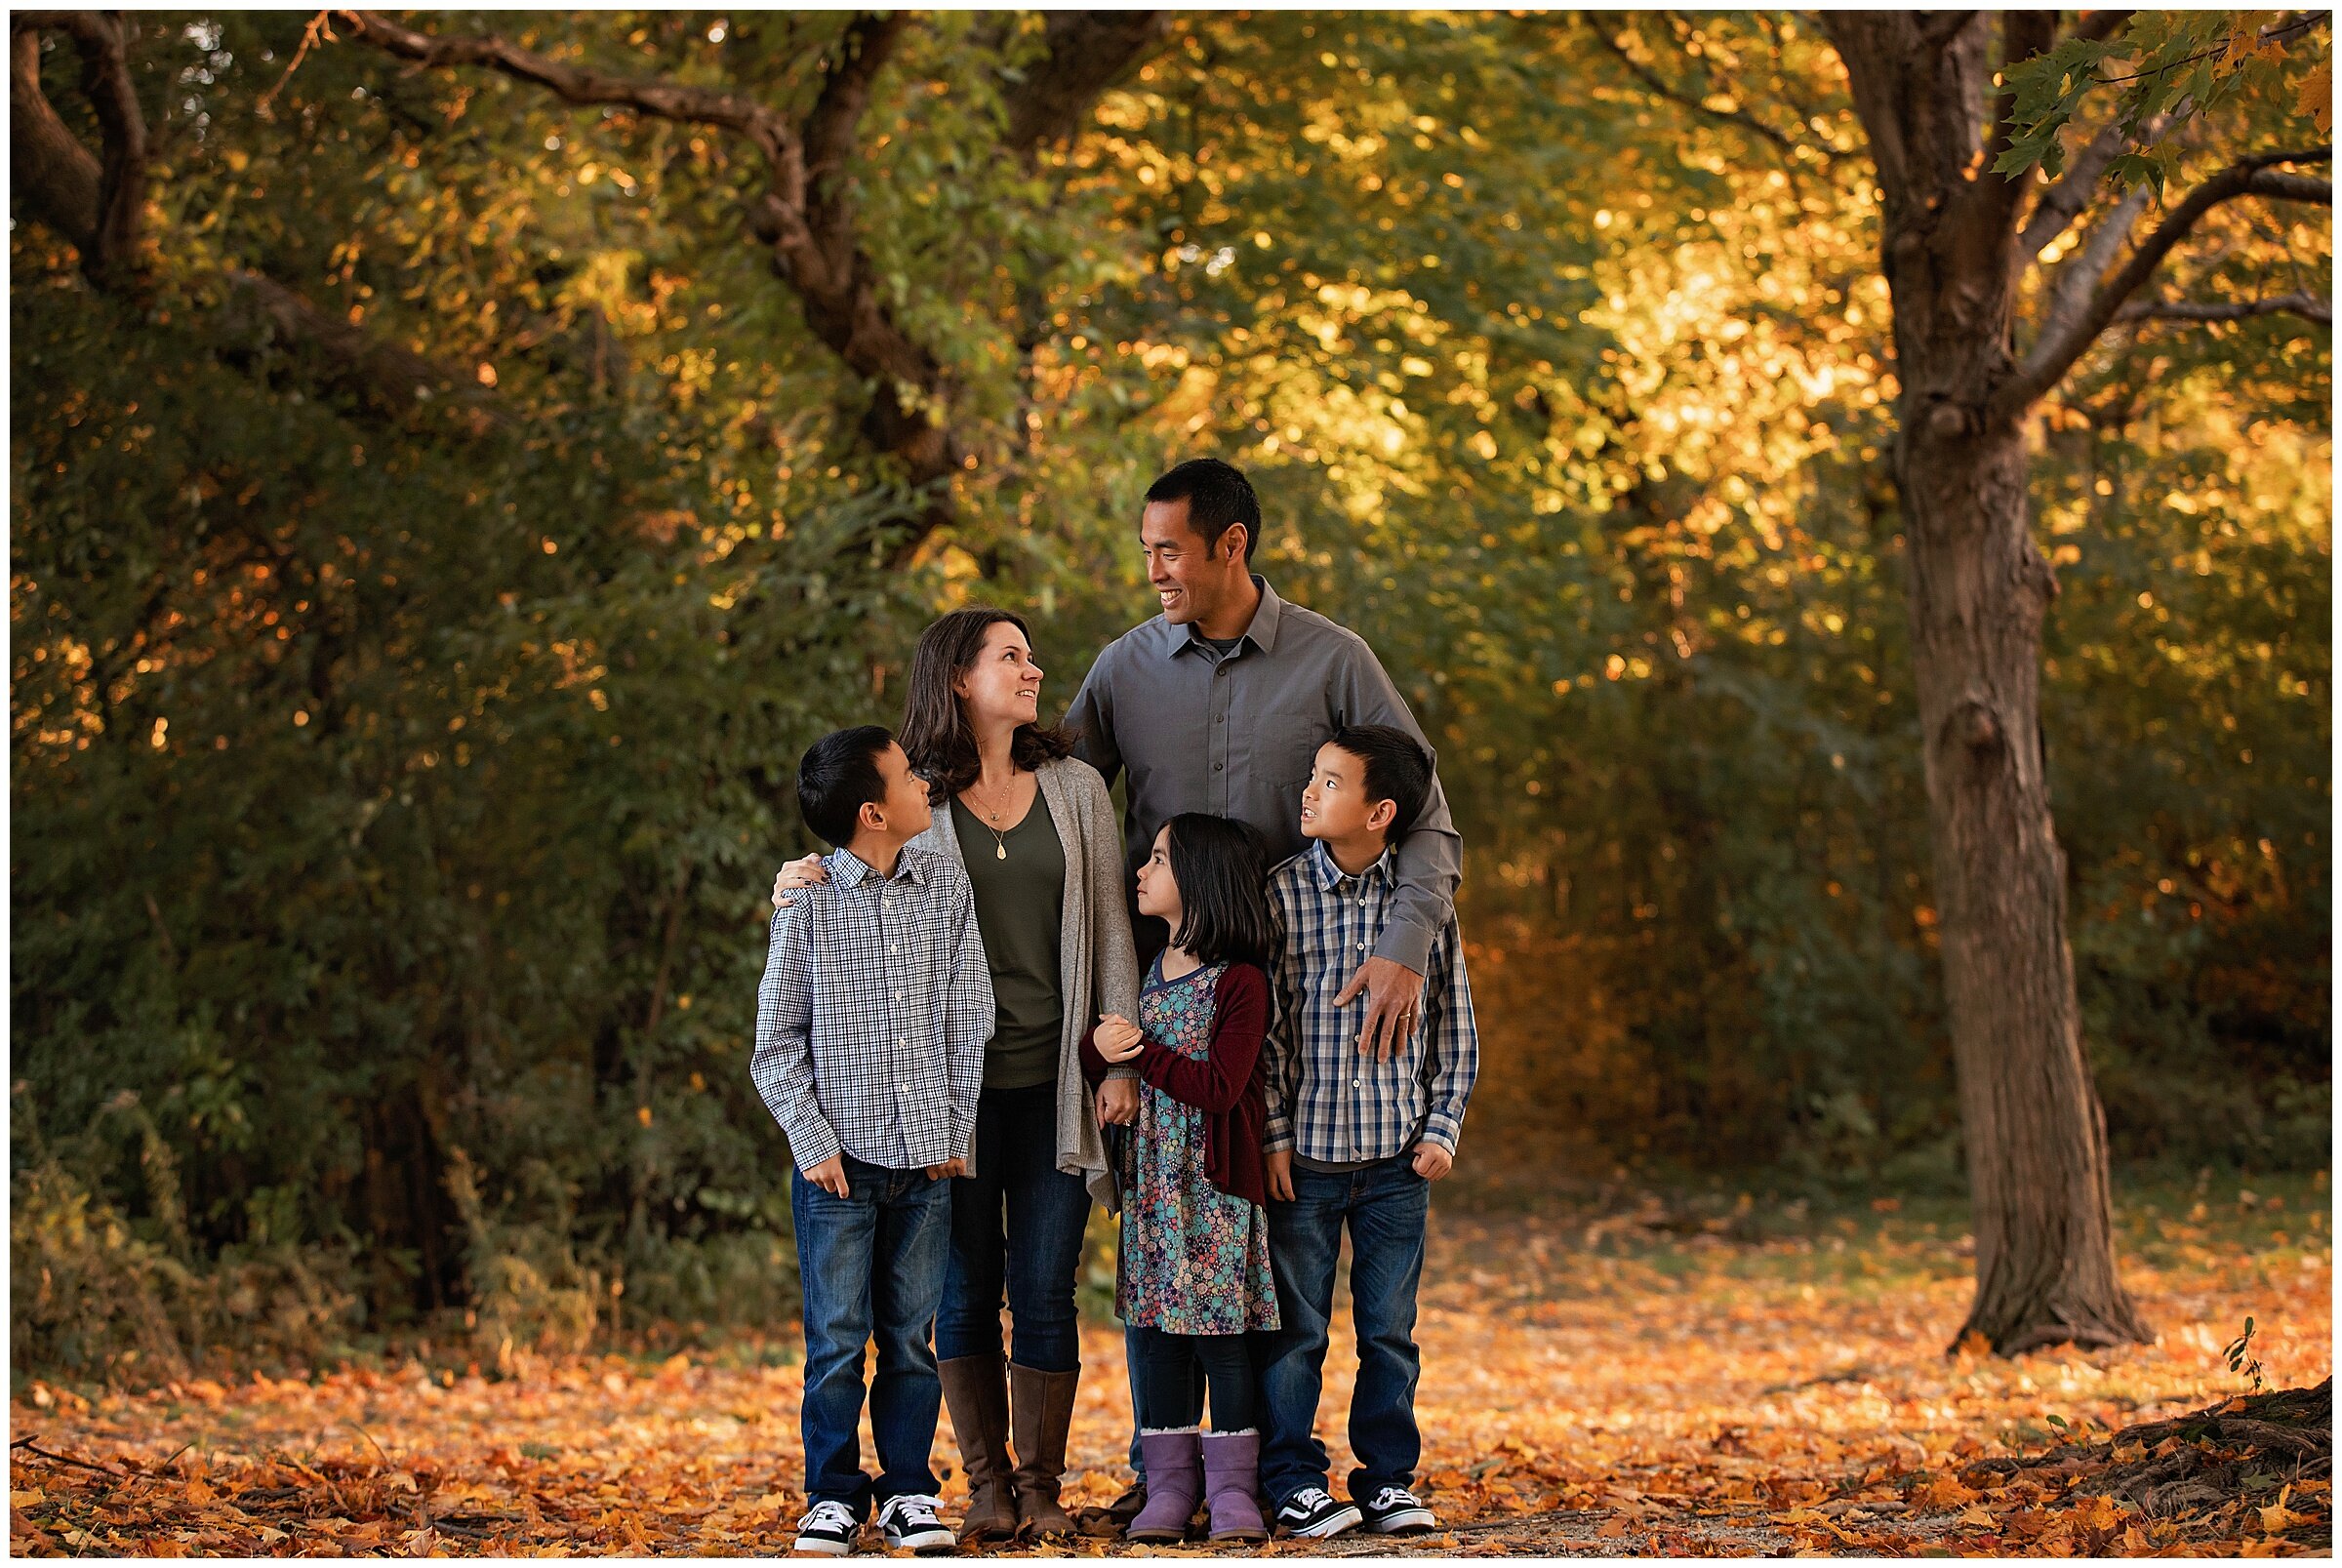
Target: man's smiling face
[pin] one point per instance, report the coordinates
(1193, 583)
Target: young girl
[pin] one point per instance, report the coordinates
(1194, 1270)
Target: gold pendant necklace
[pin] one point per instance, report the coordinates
(991, 826)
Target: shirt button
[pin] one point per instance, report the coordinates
(1354, 1083)
(900, 1040)
(1216, 766)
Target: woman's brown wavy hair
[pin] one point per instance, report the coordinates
(936, 734)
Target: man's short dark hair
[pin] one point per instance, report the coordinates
(837, 777)
(1217, 496)
(1398, 770)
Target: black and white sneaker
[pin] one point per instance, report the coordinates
(909, 1523)
(828, 1530)
(1398, 1511)
(1313, 1513)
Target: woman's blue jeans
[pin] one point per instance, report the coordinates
(1016, 1228)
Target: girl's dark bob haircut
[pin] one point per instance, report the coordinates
(1222, 868)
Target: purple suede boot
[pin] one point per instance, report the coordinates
(1174, 1484)
(1231, 1481)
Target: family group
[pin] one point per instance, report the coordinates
(1246, 1036)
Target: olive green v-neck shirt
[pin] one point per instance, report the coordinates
(1020, 911)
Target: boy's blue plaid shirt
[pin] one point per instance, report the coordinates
(873, 1014)
(1327, 1099)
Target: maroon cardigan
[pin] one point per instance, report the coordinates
(1225, 1083)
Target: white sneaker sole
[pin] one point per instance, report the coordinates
(1324, 1529)
(806, 1548)
(1406, 1523)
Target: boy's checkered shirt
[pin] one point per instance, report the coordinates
(1328, 1101)
(873, 1014)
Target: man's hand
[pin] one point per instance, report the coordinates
(830, 1176)
(1392, 990)
(796, 874)
(1431, 1162)
(1117, 1039)
(936, 1173)
(1118, 1102)
(1278, 1166)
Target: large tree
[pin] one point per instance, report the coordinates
(1966, 222)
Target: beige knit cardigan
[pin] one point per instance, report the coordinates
(1098, 964)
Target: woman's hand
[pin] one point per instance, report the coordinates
(1117, 1039)
(795, 876)
(1119, 1102)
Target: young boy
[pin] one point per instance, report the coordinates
(1354, 1139)
(870, 1027)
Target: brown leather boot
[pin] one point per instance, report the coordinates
(977, 1393)
(1043, 1408)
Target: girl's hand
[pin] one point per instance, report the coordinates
(1118, 1039)
(796, 874)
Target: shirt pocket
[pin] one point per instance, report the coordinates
(1285, 744)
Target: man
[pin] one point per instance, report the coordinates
(1220, 705)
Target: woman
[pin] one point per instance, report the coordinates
(1035, 829)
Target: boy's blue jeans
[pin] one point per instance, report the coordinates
(872, 1265)
(1386, 1205)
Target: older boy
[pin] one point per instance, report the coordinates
(1353, 1137)
(870, 1027)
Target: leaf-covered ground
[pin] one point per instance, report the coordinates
(1619, 1374)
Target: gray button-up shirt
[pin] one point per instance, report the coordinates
(1237, 736)
(871, 1019)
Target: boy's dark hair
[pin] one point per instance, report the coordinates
(837, 777)
(1398, 770)
(1222, 868)
(936, 736)
(1218, 498)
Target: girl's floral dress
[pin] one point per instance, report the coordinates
(1194, 1260)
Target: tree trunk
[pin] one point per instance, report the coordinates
(1979, 592)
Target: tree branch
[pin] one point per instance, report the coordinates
(1088, 52)
(1996, 197)
(2066, 200)
(2057, 349)
(97, 208)
(1938, 29)
(2100, 25)
(106, 231)
(2309, 307)
(575, 84)
(805, 215)
(1657, 87)
(2070, 294)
